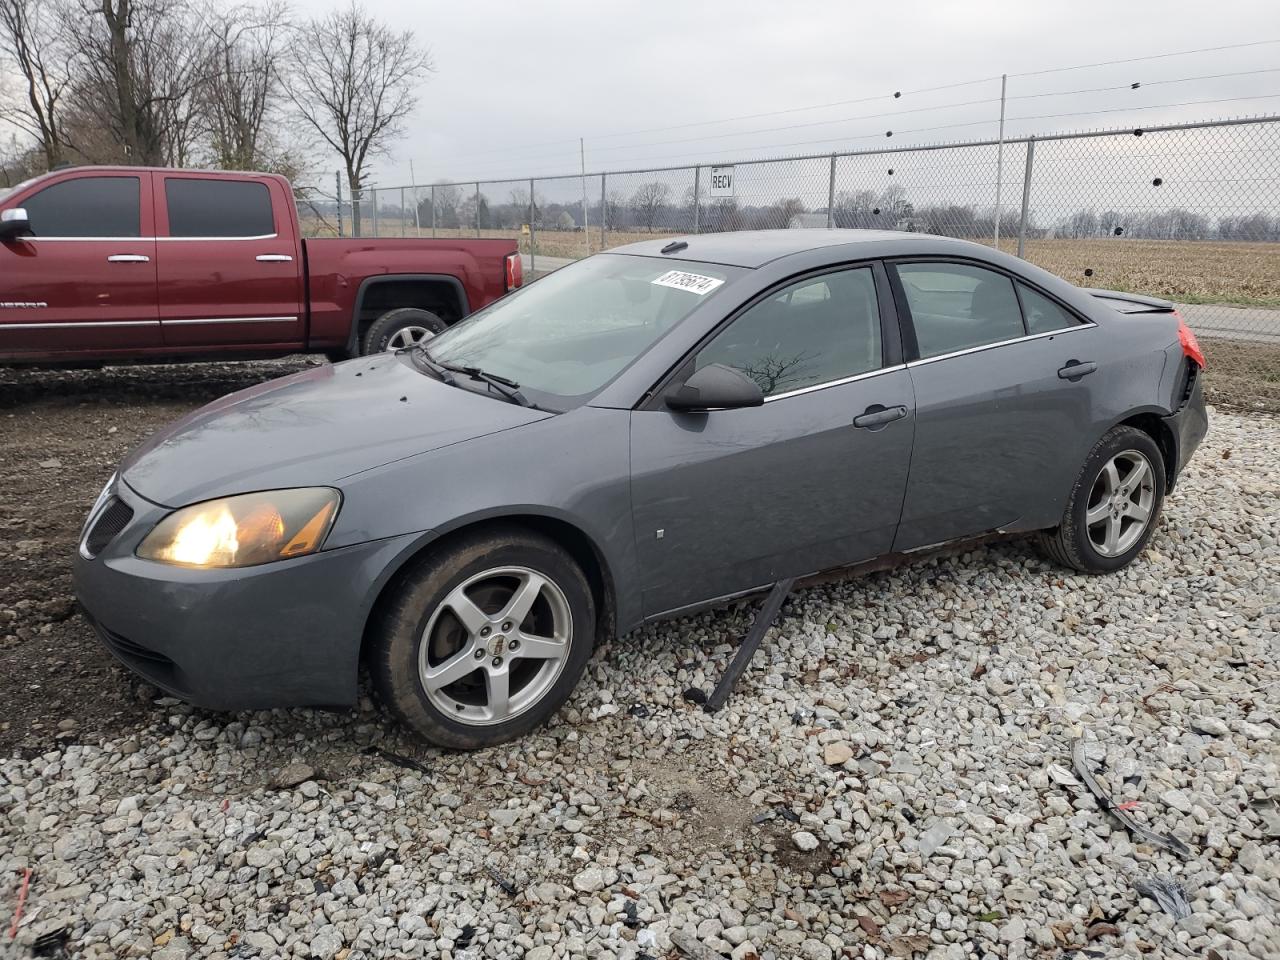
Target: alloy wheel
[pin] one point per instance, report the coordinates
(495, 645)
(1120, 503)
(409, 336)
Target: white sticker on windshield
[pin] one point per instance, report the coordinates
(693, 282)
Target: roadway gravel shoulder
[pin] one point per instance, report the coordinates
(893, 777)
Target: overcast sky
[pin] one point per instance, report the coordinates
(517, 83)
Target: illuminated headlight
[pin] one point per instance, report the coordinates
(245, 530)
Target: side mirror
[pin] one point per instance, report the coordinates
(716, 387)
(14, 223)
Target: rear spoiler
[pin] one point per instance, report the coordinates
(1137, 303)
(1131, 302)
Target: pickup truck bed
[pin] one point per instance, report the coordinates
(130, 264)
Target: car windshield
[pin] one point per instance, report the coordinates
(567, 335)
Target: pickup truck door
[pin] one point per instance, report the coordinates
(229, 264)
(85, 283)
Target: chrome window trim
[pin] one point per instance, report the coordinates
(999, 343)
(175, 323)
(834, 383)
(263, 236)
(79, 323)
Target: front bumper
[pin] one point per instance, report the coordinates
(278, 635)
(1189, 424)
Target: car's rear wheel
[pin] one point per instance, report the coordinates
(400, 328)
(1114, 504)
(485, 640)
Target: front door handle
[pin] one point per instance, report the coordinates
(877, 416)
(128, 258)
(274, 258)
(1076, 369)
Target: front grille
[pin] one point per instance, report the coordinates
(115, 516)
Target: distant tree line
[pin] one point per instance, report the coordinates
(651, 207)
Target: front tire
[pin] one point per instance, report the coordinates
(485, 640)
(1114, 504)
(400, 328)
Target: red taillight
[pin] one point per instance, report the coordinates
(515, 271)
(1190, 345)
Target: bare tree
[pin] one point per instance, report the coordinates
(140, 69)
(353, 80)
(34, 44)
(649, 200)
(241, 96)
(615, 210)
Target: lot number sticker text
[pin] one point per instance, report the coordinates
(693, 282)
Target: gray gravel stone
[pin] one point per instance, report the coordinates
(955, 826)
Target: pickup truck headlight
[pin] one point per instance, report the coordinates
(245, 530)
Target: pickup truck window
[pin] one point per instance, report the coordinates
(86, 207)
(218, 208)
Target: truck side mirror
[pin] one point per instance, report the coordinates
(716, 387)
(14, 223)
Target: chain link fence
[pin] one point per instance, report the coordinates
(1188, 212)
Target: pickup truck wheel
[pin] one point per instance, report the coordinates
(484, 640)
(400, 328)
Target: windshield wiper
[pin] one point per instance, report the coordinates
(507, 388)
(435, 366)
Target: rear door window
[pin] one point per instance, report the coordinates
(955, 306)
(1042, 314)
(87, 207)
(218, 208)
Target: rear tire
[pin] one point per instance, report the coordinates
(1114, 504)
(485, 640)
(400, 328)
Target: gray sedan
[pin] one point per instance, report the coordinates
(645, 432)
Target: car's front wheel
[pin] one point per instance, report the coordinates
(483, 641)
(1114, 504)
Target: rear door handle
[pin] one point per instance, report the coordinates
(877, 416)
(128, 258)
(274, 258)
(1075, 369)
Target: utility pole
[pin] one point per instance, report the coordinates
(1004, 79)
(586, 233)
(337, 180)
(417, 219)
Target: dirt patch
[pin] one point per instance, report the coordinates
(62, 433)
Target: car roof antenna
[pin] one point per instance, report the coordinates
(676, 245)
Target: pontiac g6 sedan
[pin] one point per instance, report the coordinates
(647, 431)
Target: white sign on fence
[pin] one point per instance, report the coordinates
(721, 182)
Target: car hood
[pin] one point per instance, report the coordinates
(313, 428)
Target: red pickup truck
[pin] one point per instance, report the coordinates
(107, 264)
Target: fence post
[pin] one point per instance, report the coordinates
(831, 195)
(373, 196)
(1026, 195)
(697, 200)
(604, 213)
(533, 231)
(337, 182)
(402, 216)
(433, 211)
(477, 208)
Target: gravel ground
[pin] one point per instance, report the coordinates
(893, 778)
